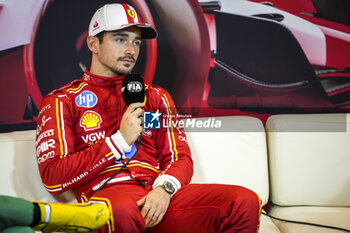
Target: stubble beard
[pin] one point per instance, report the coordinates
(122, 69)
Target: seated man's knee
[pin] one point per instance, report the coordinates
(242, 197)
(249, 199)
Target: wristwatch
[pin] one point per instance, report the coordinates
(168, 187)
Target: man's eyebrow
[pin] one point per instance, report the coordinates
(124, 34)
(120, 34)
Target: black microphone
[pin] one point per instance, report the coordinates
(133, 91)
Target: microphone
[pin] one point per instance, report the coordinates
(133, 91)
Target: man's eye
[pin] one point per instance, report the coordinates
(121, 41)
(137, 43)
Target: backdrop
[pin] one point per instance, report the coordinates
(214, 57)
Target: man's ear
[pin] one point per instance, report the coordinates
(93, 44)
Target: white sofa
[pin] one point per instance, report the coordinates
(300, 166)
(309, 164)
(19, 175)
(237, 156)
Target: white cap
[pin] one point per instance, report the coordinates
(116, 16)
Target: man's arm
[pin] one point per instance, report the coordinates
(174, 153)
(175, 161)
(61, 167)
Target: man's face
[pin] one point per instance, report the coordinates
(118, 52)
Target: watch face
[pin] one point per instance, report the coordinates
(169, 187)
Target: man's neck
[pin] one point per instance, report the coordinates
(102, 72)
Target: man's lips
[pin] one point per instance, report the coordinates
(127, 59)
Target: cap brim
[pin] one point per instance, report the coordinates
(147, 31)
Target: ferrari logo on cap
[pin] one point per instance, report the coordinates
(131, 13)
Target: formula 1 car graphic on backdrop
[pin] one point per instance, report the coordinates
(228, 57)
(275, 59)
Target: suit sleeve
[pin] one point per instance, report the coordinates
(173, 150)
(61, 167)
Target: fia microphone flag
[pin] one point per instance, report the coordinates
(133, 89)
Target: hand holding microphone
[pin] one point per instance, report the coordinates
(131, 123)
(133, 92)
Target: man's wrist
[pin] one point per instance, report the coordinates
(168, 187)
(118, 145)
(118, 137)
(165, 177)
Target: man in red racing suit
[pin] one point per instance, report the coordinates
(85, 134)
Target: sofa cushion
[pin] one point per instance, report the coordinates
(331, 216)
(236, 156)
(309, 157)
(267, 225)
(19, 175)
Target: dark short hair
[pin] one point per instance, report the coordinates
(100, 40)
(100, 36)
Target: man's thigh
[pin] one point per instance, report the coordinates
(209, 208)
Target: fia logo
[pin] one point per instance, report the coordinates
(134, 86)
(151, 120)
(86, 99)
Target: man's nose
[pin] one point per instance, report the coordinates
(130, 49)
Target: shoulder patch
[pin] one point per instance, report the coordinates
(71, 87)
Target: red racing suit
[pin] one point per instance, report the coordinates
(79, 145)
